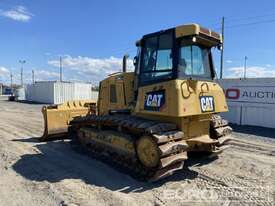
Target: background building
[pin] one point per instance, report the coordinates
(251, 101)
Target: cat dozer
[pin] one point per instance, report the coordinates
(147, 121)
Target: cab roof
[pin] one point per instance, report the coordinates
(195, 29)
(191, 30)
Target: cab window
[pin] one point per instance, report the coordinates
(157, 58)
(194, 61)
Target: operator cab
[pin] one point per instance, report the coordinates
(180, 53)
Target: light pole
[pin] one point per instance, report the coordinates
(245, 61)
(222, 49)
(33, 77)
(22, 62)
(11, 80)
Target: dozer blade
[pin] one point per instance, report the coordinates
(58, 117)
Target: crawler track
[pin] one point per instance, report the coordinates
(170, 146)
(220, 130)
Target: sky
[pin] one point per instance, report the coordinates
(91, 36)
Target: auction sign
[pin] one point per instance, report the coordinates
(250, 93)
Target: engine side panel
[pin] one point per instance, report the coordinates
(116, 92)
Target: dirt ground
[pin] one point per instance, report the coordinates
(34, 173)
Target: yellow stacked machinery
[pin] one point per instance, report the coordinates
(147, 120)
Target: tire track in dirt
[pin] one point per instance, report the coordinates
(52, 158)
(21, 129)
(233, 185)
(250, 147)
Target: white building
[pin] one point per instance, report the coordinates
(251, 101)
(55, 92)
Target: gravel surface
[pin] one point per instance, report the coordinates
(34, 173)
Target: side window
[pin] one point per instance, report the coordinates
(137, 61)
(157, 58)
(185, 63)
(150, 54)
(164, 53)
(197, 61)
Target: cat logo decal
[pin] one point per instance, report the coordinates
(155, 100)
(207, 103)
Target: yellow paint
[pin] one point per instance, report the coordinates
(182, 98)
(195, 29)
(58, 117)
(124, 84)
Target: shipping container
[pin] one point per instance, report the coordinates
(54, 92)
(250, 101)
(19, 94)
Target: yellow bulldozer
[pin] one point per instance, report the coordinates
(148, 120)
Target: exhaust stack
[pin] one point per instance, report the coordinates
(124, 63)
